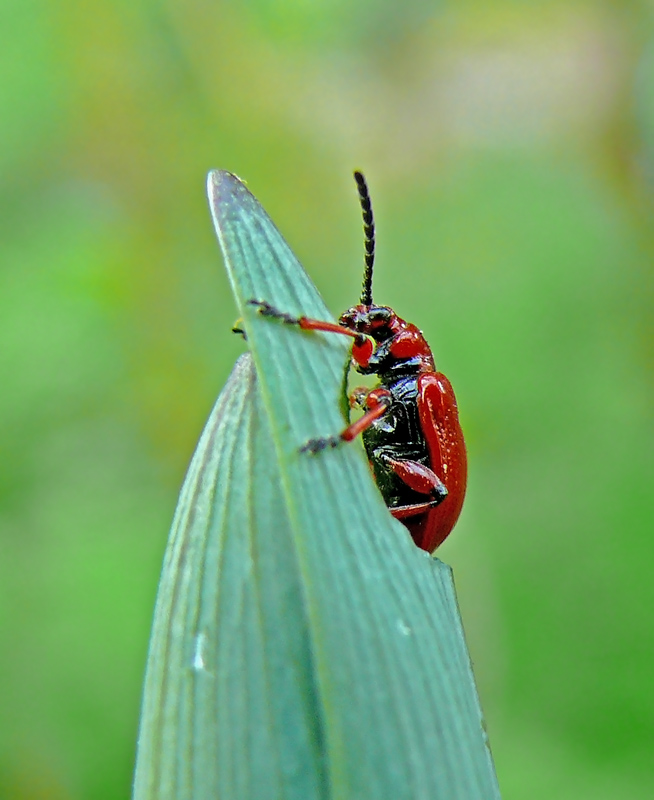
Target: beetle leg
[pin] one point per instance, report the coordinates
(306, 323)
(362, 348)
(418, 477)
(239, 329)
(359, 396)
(378, 402)
(266, 310)
(404, 512)
(321, 443)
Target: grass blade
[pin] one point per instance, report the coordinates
(303, 646)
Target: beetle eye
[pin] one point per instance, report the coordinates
(379, 315)
(378, 318)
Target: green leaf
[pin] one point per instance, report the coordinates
(302, 647)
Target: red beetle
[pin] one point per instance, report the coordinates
(410, 426)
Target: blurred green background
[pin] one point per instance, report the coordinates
(510, 152)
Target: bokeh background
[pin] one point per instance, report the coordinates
(510, 152)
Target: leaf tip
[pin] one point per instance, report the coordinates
(221, 183)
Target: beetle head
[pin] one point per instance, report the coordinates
(379, 322)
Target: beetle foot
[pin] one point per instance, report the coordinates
(314, 446)
(358, 397)
(266, 310)
(238, 328)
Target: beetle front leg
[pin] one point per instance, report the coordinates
(306, 323)
(362, 347)
(239, 329)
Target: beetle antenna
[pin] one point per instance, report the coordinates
(369, 233)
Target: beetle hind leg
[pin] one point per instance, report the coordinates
(418, 477)
(406, 512)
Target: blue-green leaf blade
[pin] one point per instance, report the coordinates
(230, 707)
(302, 646)
(401, 714)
